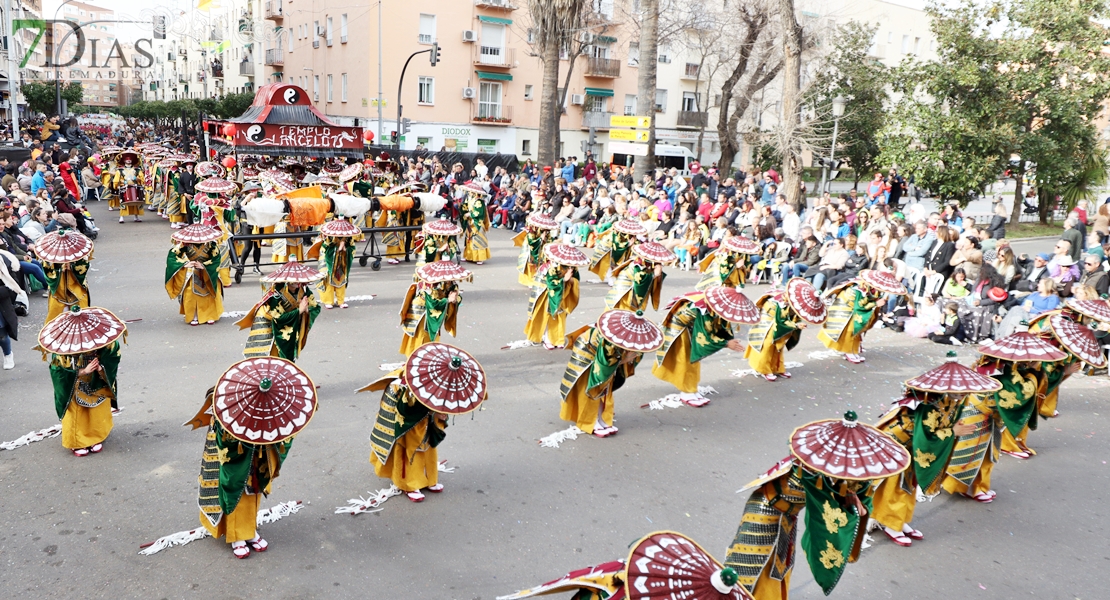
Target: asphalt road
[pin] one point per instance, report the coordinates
(513, 514)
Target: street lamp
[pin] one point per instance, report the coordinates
(838, 105)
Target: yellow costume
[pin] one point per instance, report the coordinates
(637, 282)
(553, 297)
(691, 332)
(597, 367)
(67, 286)
(969, 470)
(778, 330)
(851, 315)
(198, 291)
(405, 435)
(475, 223)
(83, 400)
(426, 310)
(124, 177)
(531, 242)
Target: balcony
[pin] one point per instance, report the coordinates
(201, 75)
(272, 10)
(274, 57)
(609, 68)
(218, 72)
(246, 68)
(692, 71)
(505, 5)
(491, 114)
(495, 56)
(182, 78)
(689, 119)
(596, 120)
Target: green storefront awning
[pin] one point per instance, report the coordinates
(500, 77)
(599, 92)
(605, 39)
(497, 20)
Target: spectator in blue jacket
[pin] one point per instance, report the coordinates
(917, 246)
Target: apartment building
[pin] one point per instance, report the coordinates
(23, 9)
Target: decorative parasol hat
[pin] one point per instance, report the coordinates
(847, 449)
(279, 180)
(1077, 339)
(732, 305)
(350, 172)
(167, 163)
(882, 281)
(293, 272)
(197, 233)
(666, 564)
(653, 252)
(442, 270)
(441, 227)
(125, 154)
(63, 246)
(216, 185)
(324, 180)
(78, 330)
(741, 245)
(249, 173)
(541, 221)
(210, 169)
(1098, 310)
(804, 300)
(630, 227)
(566, 255)
(339, 228)
(445, 378)
(264, 400)
(952, 377)
(472, 187)
(630, 330)
(1022, 346)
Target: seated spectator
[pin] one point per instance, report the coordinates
(1045, 299)
(928, 319)
(982, 304)
(953, 328)
(1032, 272)
(833, 258)
(1095, 276)
(807, 256)
(858, 260)
(957, 286)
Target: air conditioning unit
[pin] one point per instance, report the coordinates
(469, 35)
(469, 93)
(577, 99)
(587, 37)
(663, 58)
(320, 31)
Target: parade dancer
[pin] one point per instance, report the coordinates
(698, 325)
(431, 304)
(926, 423)
(554, 295)
(816, 478)
(603, 356)
(640, 279)
(280, 322)
(475, 223)
(251, 417)
(65, 256)
(128, 182)
(729, 264)
(337, 240)
(83, 348)
(783, 315)
(1082, 346)
(539, 230)
(613, 247)
(1016, 363)
(192, 274)
(854, 311)
(437, 381)
(110, 169)
(440, 242)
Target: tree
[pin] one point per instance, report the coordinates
(792, 46)
(646, 77)
(233, 105)
(554, 23)
(848, 72)
(39, 96)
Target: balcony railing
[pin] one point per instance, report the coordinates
(201, 75)
(603, 67)
(246, 68)
(596, 119)
(218, 72)
(689, 118)
(274, 57)
(495, 56)
(182, 78)
(495, 4)
(272, 10)
(425, 38)
(491, 114)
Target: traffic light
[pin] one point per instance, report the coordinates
(434, 56)
(393, 137)
(406, 125)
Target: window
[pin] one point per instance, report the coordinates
(426, 90)
(905, 44)
(916, 45)
(564, 51)
(629, 104)
(528, 92)
(689, 102)
(600, 51)
(661, 101)
(491, 48)
(290, 36)
(328, 31)
(315, 30)
(427, 29)
(604, 8)
(633, 54)
(343, 28)
(890, 37)
(531, 35)
(331, 94)
(596, 103)
(343, 87)
(423, 141)
(664, 54)
(489, 100)
(526, 147)
(316, 88)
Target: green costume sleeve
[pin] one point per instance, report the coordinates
(235, 467)
(53, 274)
(863, 309)
(175, 261)
(832, 524)
(363, 189)
(63, 379)
(553, 279)
(287, 326)
(1017, 400)
(605, 362)
(708, 335)
(933, 440)
(435, 312)
(212, 264)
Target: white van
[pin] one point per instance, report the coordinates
(666, 156)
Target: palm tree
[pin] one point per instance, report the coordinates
(554, 22)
